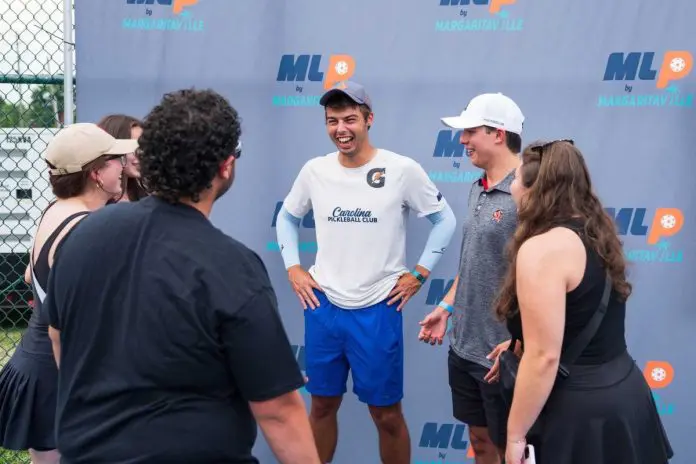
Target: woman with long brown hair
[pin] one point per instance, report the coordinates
(564, 249)
(122, 126)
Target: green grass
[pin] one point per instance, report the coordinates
(14, 457)
(9, 338)
(8, 341)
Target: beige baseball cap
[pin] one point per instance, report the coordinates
(81, 143)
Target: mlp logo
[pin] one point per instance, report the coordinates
(666, 222)
(449, 150)
(447, 438)
(307, 222)
(164, 15)
(676, 65)
(489, 16)
(659, 375)
(304, 70)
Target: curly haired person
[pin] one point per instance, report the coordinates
(170, 345)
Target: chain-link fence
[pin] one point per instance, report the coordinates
(31, 111)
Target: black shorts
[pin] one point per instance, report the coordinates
(476, 402)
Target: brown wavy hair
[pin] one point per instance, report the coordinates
(560, 190)
(120, 126)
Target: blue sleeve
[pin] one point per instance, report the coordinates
(444, 225)
(288, 233)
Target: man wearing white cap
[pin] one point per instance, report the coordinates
(491, 128)
(170, 345)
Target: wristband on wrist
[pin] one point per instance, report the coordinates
(418, 276)
(447, 307)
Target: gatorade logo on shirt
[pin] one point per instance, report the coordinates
(352, 215)
(376, 177)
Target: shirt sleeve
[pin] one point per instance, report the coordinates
(420, 193)
(258, 350)
(298, 202)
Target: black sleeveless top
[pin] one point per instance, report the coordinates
(581, 304)
(35, 339)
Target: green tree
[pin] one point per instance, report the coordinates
(12, 115)
(46, 107)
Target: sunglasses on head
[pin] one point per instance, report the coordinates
(541, 148)
(238, 150)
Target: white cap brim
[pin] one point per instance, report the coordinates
(123, 147)
(462, 122)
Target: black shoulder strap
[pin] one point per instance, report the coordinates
(38, 223)
(54, 235)
(571, 353)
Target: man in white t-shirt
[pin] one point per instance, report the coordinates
(361, 197)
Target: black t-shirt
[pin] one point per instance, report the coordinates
(168, 328)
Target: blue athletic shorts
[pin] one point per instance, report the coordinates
(367, 341)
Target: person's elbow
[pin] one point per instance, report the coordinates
(544, 357)
(279, 409)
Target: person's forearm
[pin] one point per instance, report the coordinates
(54, 336)
(535, 378)
(449, 297)
(288, 234)
(444, 226)
(289, 435)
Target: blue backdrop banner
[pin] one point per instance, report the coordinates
(614, 76)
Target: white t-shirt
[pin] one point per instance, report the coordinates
(360, 217)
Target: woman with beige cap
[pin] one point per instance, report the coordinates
(85, 166)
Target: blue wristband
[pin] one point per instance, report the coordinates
(418, 276)
(446, 307)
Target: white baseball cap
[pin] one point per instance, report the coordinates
(79, 144)
(489, 109)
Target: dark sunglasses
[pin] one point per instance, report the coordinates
(238, 150)
(541, 148)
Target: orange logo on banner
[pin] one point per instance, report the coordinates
(658, 374)
(179, 5)
(341, 68)
(495, 8)
(666, 223)
(677, 64)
